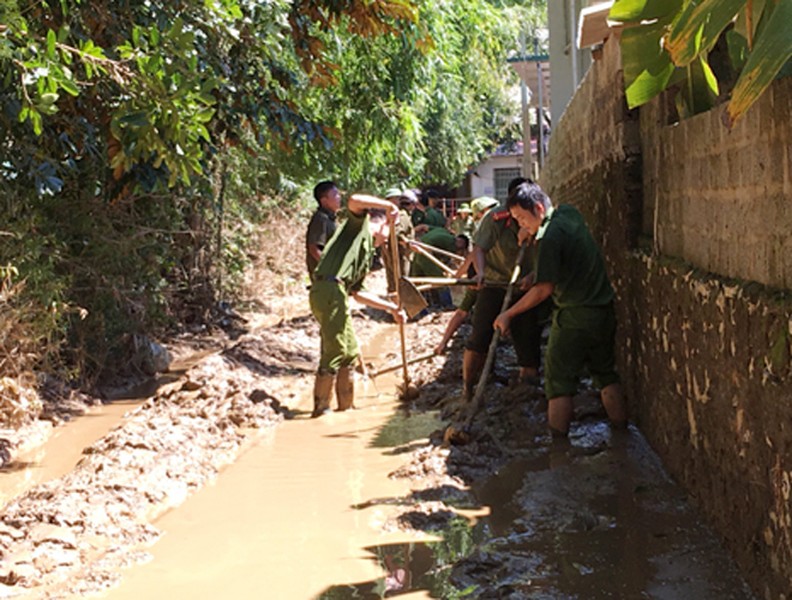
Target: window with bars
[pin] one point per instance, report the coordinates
(502, 179)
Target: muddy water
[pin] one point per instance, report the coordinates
(64, 448)
(62, 451)
(299, 515)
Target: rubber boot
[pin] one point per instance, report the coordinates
(323, 387)
(345, 389)
(472, 363)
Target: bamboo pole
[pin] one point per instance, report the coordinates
(394, 249)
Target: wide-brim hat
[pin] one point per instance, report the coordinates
(464, 208)
(483, 203)
(393, 192)
(408, 197)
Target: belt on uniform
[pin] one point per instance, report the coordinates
(330, 278)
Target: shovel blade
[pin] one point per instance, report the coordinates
(411, 298)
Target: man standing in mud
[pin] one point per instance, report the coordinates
(342, 268)
(570, 269)
(322, 224)
(404, 233)
(496, 246)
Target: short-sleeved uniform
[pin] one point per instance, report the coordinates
(404, 232)
(584, 323)
(438, 238)
(430, 216)
(344, 264)
(320, 229)
(497, 235)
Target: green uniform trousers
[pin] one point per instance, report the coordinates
(580, 337)
(330, 305)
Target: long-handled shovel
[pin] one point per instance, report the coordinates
(432, 258)
(447, 281)
(391, 368)
(416, 244)
(394, 248)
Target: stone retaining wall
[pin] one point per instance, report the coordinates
(695, 222)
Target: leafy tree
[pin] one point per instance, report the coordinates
(133, 132)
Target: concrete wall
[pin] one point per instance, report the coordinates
(694, 222)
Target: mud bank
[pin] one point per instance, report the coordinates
(72, 535)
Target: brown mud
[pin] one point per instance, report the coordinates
(365, 504)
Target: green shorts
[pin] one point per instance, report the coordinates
(580, 337)
(330, 305)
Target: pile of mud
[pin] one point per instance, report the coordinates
(71, 535)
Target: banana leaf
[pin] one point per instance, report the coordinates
(700, 89)
(698, 27)
(771, 51)
(748, 20)
(635, 11)
(647, 67)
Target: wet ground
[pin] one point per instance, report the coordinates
(220, 485)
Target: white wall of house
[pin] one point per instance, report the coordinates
(568, 64)
(482, 179)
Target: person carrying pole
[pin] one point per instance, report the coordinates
(344, 264)
(570, 269)
(404, 233)
(495, 250)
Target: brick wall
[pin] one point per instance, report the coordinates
(695, 224)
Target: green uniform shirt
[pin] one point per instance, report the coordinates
(320, 229)
(430, 216)
(348, 255)
(439, 238)
(497, 235)
(569, 258)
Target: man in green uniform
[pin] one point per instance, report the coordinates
(404, 233)
(479, 208)
(342, 268)
(441, 238)
(462, 223)
(496, 247)
(427, 215)
(570, 268)
(323, 222)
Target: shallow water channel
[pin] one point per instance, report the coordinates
(292, 517)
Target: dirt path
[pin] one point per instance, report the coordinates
(365, 504)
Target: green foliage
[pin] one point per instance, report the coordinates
(141, 143)
(670, 41)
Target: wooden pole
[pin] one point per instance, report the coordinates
(439, 251)
(394, 249)
(431, 258)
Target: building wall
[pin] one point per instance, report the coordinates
(693, 221)
(482, 180)
(563, 81)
